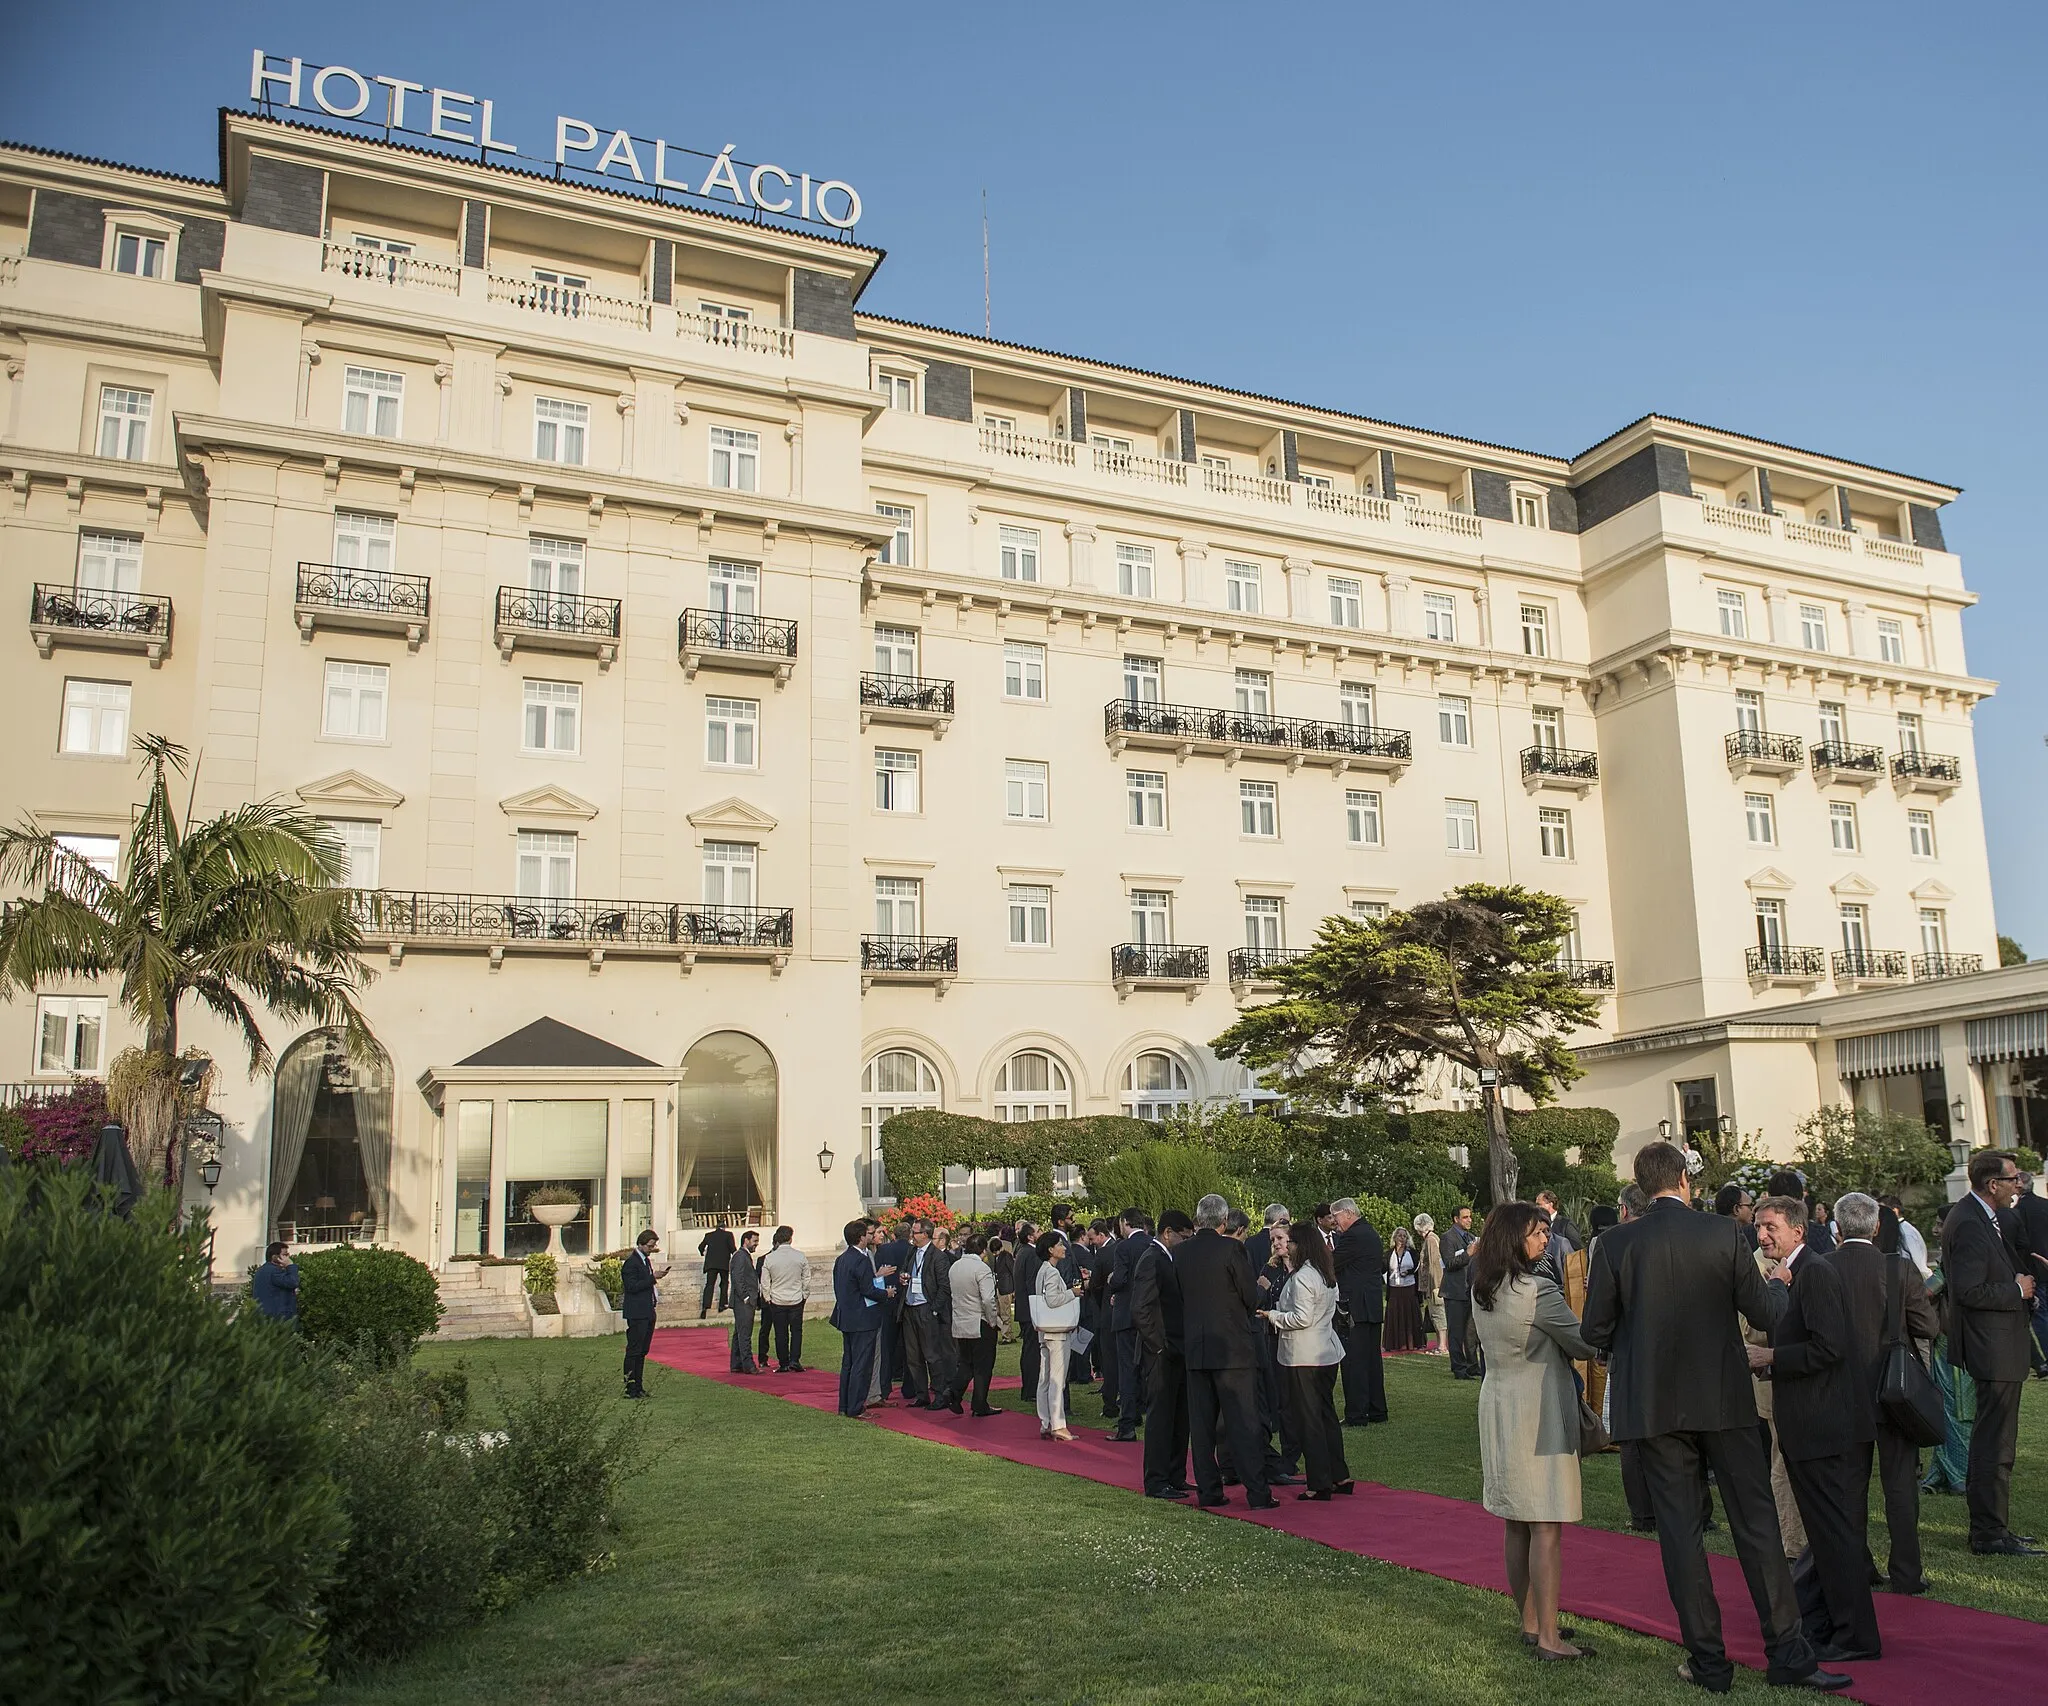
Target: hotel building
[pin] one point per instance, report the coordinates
(754, 717)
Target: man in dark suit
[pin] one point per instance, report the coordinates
(860, 1302)
(1989, 1300)
(1825, 1423)
(1665, 1299)
(2030, 1221)
(926, 1321)
(892, 1358)
(1129, 1250)
(1217, 1301)
(1456, 1242)
(716, 1247)
(1158, 1321)
(638, 1277)
(1028, 1263)
(1865, 1270)
(1099, 1263)
(1361, 1291)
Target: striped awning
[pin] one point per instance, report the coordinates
(2008, 1036)
(1886, 1052)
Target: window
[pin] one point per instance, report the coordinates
(1001, 427)
(1749, 711)
(1151, 917)
(124, 423)
(365, 266)
(1362, 817)
(1529, 513)
(1155, 1085)
(1258, 809)
(1033, 1086)
(732, 733)
(735, 459)
(1146, 790)
(1762, 818)
(1347, 604)
(729, 868)
(1554, 832)
(361, 845)
(1842, 825)
(1891, 640)
(1813, 627)
(1030, 917)
(724, 311)
(70, 1033)
(1111, 452)
(1263, 922)
(895, 651)
(95, 718)
(1832, 723)
(899, 391)
(1770, 924)
(1317, 482)
(139, 254)
(1734, 610)
(897, 549)
(101, 852)
(559, 292)
(1909, 732)
(559, 431)
(893, 1083)
(1355, 704)
(1535, 631)
(546, 865)
(1454, 720)
(734, 589)
(1440, 617)
(895, 781)
(554, 567)
(1019, 548)
(1855, 928)
(357, 697)
(1254, 689)
(364, 541)
(1571, 948)
(1370, 909)
(554, 716)
(1546, 725)
(1024, 790)
(1143, 680)
(1241, 587)
(1023, 670)
(1134, 570)
(899, 906)
(109, 562)
(370, 401)
(1920, 834)
(1933, 930)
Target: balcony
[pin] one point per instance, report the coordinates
(100, 620)
(1838, 761)
(1785, 968)
(724, 639)
(392, 272)
(1869, 968)
(1927, 967)
(1253, 968)
(907, 701)
(1187, 729)
(1588, 974)
(1769, 525)
(1752, 752)
(1157, 965)
(1559, 767)
(502, 923)
(557, 622)
(722, 332)
(932, 960)
(1935, 773)
(568, 303)
(369, 601)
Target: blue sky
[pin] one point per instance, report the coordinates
(1818, 223)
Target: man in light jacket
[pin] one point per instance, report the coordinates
(976, 1325)
(785, 1288)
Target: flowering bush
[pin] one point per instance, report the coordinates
(61, 1127)
(925, 1207)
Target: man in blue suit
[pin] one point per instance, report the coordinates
(637, 1277)
(860, 1303)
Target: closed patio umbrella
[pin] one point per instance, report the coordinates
(114, 1168)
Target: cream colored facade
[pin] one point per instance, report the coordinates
(1103, 687)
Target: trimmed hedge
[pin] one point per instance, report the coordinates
(918, 1147)
(358, 1294)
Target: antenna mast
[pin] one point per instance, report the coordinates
(987, 329)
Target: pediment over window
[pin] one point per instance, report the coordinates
(1770, 880)
(1934, 889)
(550, 801)
(550, 1043)
(732, 813)
(1859, 887)
(350, 788)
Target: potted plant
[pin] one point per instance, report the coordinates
(554, 1206)
(543, 1310)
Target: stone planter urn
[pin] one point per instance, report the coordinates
(554, 1216)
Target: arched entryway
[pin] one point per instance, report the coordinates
(330, 1143)
(726, 1128)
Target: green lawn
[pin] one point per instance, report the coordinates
(777, 1554)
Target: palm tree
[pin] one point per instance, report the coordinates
(241, 911)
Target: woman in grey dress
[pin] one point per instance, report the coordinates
(1528, 1414)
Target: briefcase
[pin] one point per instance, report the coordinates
(1907, 1397)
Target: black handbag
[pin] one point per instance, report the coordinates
(1907, 1397)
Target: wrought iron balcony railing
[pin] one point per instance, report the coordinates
(406, 915)
(1253, 728)
(726, 631)
(1927, 966)
(1928, 766)
(86, 609)
(558, 613)
(1786, 962)
(1158, 962)
(1841, 755)
(910, 953)
(370, 592)
(1256, 965)
(906, 693)
(1560, 761)
(1870, 965)
(1758, 746)
(1589, 974)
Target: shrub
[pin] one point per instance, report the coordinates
(1157, 1176)
(925, 1206)
(551, 1196)
(61, 1128)
(1383, 1216)
(1037, 1207)
(609, 1275)
(542, 1274)
(165, 1525)
(918, 1146)
(1852, 1149)
(356, 1294)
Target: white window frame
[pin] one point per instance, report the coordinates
(1531, 510)
(1027, 790)
(1364, 826)
(1769, 912)
(1440, 617)
(1733, 608)
(561, 431)
(1813, 627)
(109, 562)
(1144, 680)
(150, 249)
(1749, 711)
(365, 541)
(362, 848)
(898, 389)
(1912, 732)
(1252, 692)
(544, 864)
(1553, 832)
(1134, 566)
(1920, 842)
(1145, 799)
(736, 868)
(899, 901)
(732, 733)
(1151, 917)
(1933, 922)
(1454, 721)
(374, 388)
(1357, 704)
(1243, 588)
(734, 463)
(561, 706)
(1017, 550)
(72, 1013)
(1844, 834)
(348, 692)
(1024, 672)
(1370, 910)
(1891, 640)
(1854, 918)
(1265, 922)
(896, 651)
(1258, 810)
(101, 852)
(1760, 817)
(1546, 727)
(899, 550)
(1030, 910)
(102, 710)
(897, 780)
(733, 589)
(1347, 602)
(554, 567)
(124, 419)
(1461, 827)
(1535, 631)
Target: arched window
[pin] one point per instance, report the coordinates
(1032, 1085)
(330, 1143)
(728, 1119)
(895, 1081)
(1154, 1085)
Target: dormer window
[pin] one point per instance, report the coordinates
(140, 254)
(899, 390)
(140, 244)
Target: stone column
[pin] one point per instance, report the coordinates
(1194, 557)
(1081, 550)
(1299, 593)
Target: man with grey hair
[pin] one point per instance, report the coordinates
(1633, 1203)
(1217, 1301)
(1362, 1295)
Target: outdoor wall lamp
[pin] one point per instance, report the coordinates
(825, 1159)
(209, 1173)
(1961, 1110)
(1727, 1125)
(1664, 1130)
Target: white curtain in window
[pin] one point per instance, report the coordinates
(373, 1136)
(297, 1085)
(556, 1140)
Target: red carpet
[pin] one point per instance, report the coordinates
(1935, 1652)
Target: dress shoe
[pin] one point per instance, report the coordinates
(954, 1406)
(1685, 1674)
(1360, 1423)
(1563, 1634)
(1834, 1655)
(984, 1410)
(1211, 1503)
(2006, 1546)
(1819, 1681)
(1636, 1527)
(1283, 1480)
(1166, 1493)
(798, 1368)
(1347, 1488)
(1545, 1656)
(1230, 1480)
(1923, 1585)
(1110, 1412)
(1268, 1503)
(1313, 1498)
(1183, 1487)
(1123, 1438)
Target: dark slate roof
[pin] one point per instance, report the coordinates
(549, 1042)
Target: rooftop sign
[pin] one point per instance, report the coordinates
(447, 115)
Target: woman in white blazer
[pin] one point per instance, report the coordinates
(1309, 1351)
(1054, 1298)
